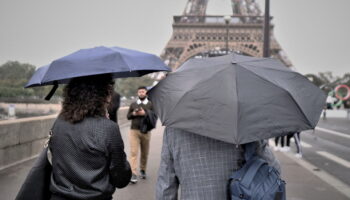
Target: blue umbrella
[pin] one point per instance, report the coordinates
(120, 62)
(36, 79)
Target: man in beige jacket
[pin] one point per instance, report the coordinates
(137, 111)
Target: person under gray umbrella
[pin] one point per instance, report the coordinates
(212, 106)
(239, 98)
(200, 166)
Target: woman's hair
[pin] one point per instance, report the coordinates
(86, 97)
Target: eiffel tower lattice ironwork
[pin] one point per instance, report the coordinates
(196, 34)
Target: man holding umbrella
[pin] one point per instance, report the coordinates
(197, 162)
(137, 111)
(217, 109)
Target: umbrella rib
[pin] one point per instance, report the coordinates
(237, 106)
(130, 70)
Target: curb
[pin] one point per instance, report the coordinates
(323, 175)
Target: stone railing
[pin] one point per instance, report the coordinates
(23, 139)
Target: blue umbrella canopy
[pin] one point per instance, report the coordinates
(37, 77)
(120, 62)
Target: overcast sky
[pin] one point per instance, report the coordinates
(314, 33)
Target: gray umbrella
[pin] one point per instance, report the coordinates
(237, 99)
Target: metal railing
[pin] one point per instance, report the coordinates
(218, 19)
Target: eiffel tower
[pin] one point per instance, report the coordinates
(196, 34)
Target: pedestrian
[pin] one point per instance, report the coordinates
(347, 107)
(330, 102)
(281, 140)
(296, 137)
(288, 137)
(297, 140)
(88, 158)
(113, 107)
(200, 166)
(137, 111)
(324, 112)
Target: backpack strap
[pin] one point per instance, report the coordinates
(251, 158)
(250, 151)
(252, 170)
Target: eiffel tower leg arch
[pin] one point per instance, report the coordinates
(197, 34)
(206, 50)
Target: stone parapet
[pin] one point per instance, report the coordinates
(23, 139)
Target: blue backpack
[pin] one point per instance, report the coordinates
(256, 180)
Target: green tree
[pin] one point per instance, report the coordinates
(315, 79)
(14, 75)
(326, 77)
(14, 70)
(346, 79)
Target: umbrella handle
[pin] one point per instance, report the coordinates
(53, 90)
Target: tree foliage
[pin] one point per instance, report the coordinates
(327, 82)
(14, 75)
(315, 79)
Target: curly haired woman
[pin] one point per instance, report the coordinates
(88, 155)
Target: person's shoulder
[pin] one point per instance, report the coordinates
(108, 123)
(60, 123)
(149, 103)
(59, 119)
(171, 130)
(173, 133)
(102, 129)
(101, 123)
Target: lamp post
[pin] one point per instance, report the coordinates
(227, 22)
(266, 50)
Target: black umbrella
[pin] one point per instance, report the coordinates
(237, 99)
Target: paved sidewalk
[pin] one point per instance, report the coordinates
(336, 124)
(306, 181)
(302, 184)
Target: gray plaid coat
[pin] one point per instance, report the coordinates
(199, 166)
